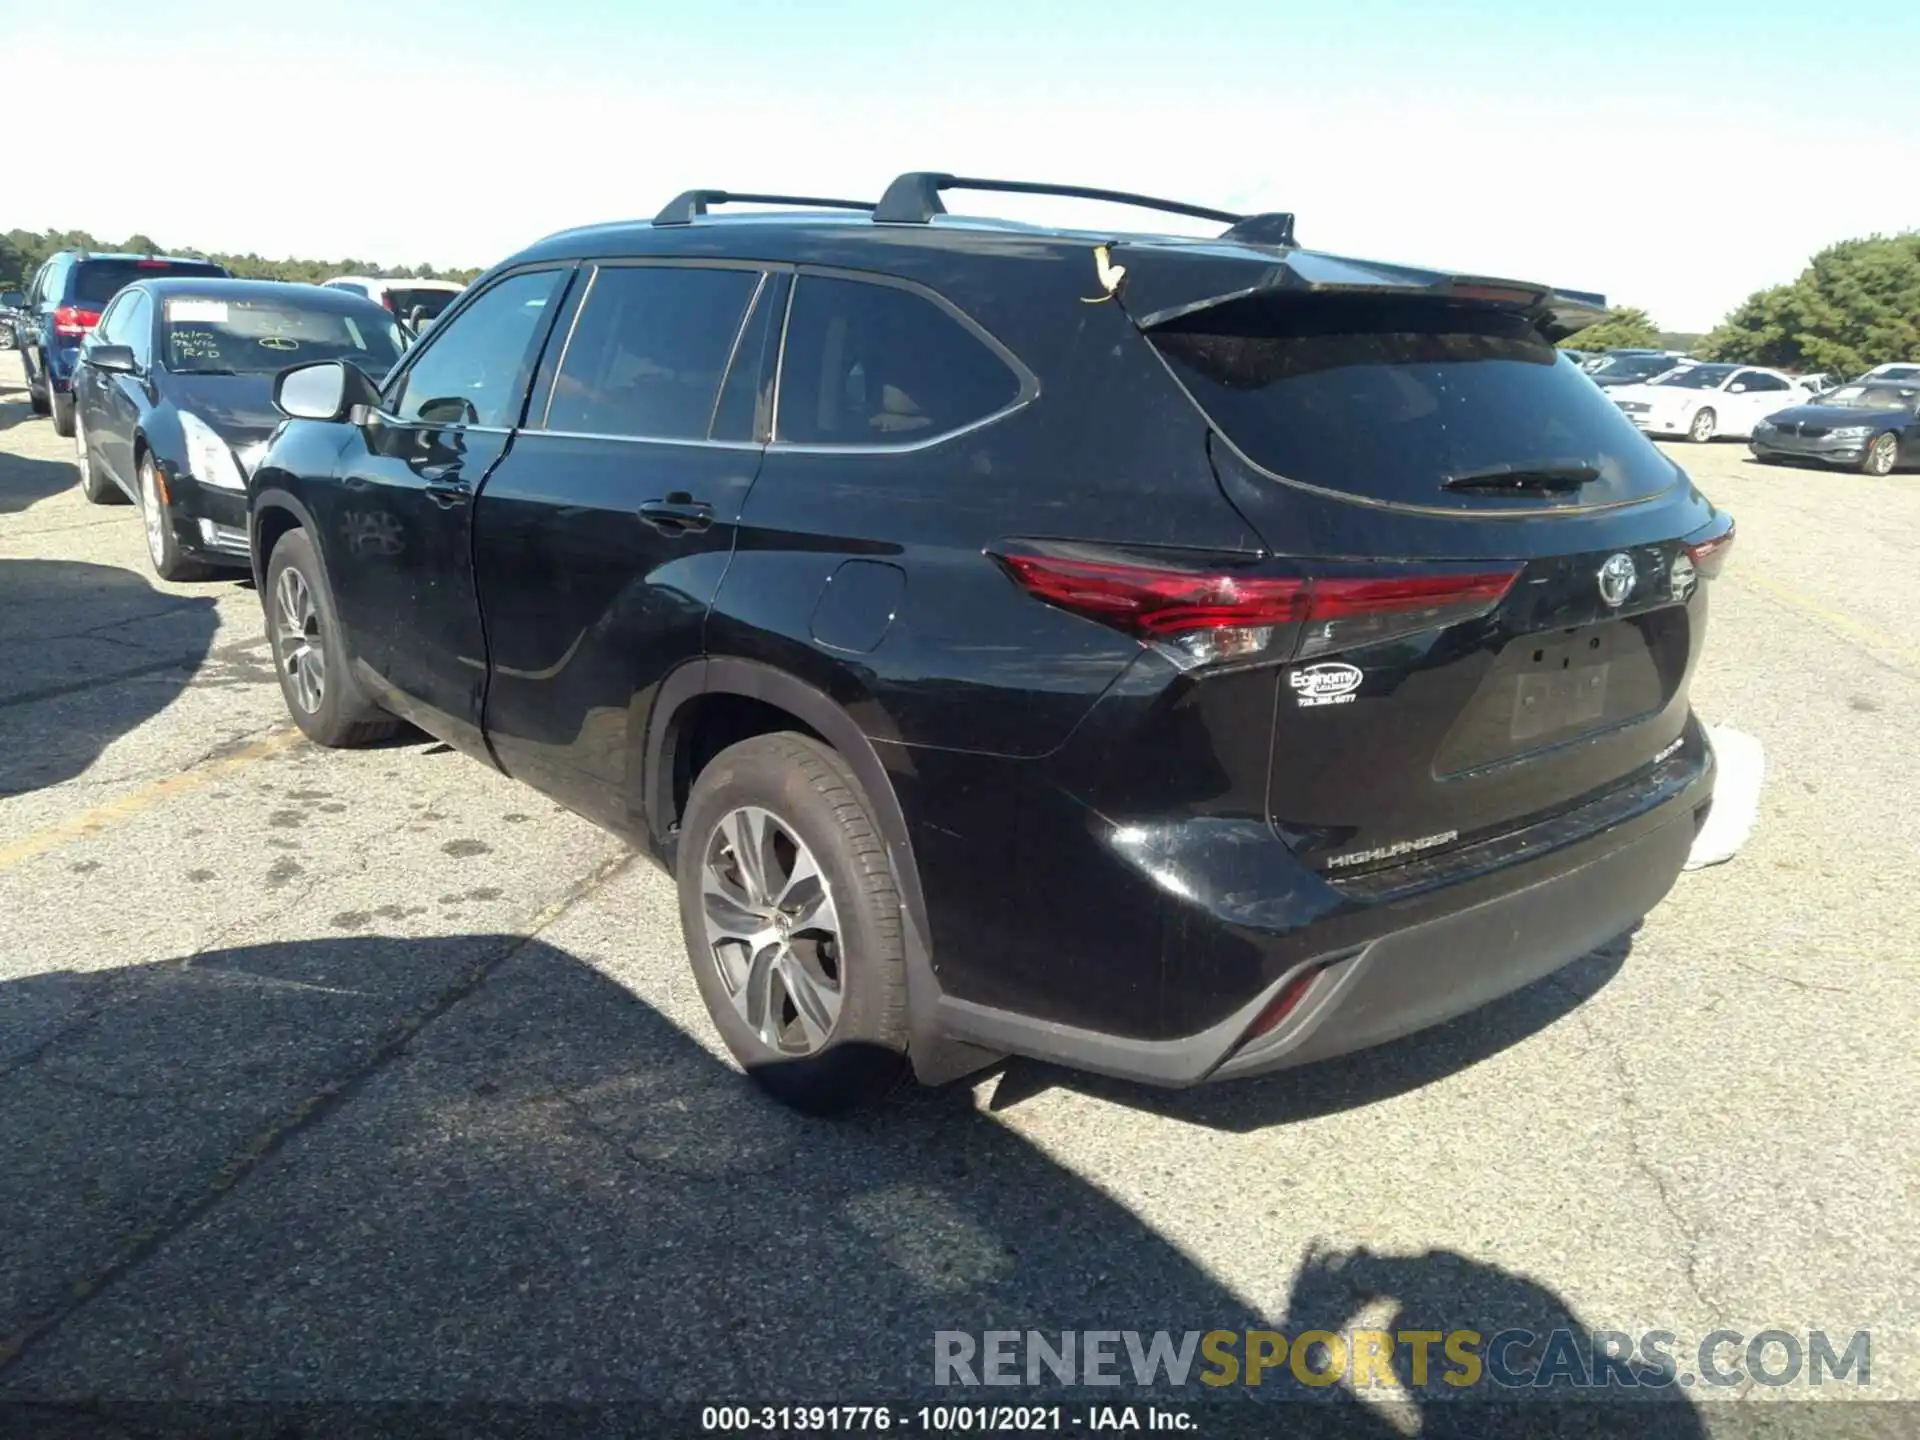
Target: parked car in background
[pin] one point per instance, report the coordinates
(1874, 428)
(1631, 367)
(64, 303)
(1897, 370)
(415, 303)
(956, 751)
(1703, 400)
(173, 400)
(11, 302)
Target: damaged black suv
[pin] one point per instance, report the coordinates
(1179, 658)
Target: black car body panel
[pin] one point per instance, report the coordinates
(1107, 839)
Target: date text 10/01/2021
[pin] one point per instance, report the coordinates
(940, 1419)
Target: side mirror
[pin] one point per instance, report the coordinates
(117, 359)
(324, 390)
(1736, 389)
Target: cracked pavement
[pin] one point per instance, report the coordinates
(373, 1075)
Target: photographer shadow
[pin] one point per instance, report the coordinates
(476, 1169)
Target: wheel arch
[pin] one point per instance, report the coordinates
(672, 734)
(271, 515)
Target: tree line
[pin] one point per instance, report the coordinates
(23, 251)
(1856, 305)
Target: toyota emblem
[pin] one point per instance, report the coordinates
(1616, 578)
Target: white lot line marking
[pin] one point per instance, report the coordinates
(134, 802)
(1845, 624)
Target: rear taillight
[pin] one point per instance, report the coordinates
(387, 300)
(74, 320)
(1202, 610)
(1709, 556)
(1346, 612)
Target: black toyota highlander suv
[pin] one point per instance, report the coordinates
(1178, 658)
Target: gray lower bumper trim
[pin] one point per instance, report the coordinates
(1399, 983)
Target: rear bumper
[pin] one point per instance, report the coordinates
(1386, 970)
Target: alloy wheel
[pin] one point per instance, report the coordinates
(154, 512)
(1880, 455)
(296, 640)
(1702, 428)
(772, 931)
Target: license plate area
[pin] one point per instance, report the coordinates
(1561, 686)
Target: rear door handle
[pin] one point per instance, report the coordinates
(678, 514)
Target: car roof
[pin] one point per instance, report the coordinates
(81, 257)
(397, 282)
(212, 287)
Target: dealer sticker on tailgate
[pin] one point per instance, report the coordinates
(1330, 683)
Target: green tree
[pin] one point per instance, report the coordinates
(1855, 306)
(1624, 328)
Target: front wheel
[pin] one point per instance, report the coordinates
(170, 562)
(1701, 430)
(791, 914)
(316, 681)
(1881, 453)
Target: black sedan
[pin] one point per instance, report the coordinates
(1871, 428)
(173, 400)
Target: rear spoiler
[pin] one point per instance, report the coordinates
(1165, 283)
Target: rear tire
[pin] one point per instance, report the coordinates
(1703, 426)
(61, 407)
(38, 397)
(95, 486)
(1882, 452)
(309, 654)
(798, 950)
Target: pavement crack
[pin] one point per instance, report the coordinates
(295, 1120)
(1779, 979)
(1636, 1123)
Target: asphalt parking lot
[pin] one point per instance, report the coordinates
(374, 1075)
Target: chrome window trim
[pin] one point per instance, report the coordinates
(531, 433)
(560, 361)
(733, 353)
(1029, 383)
(780, 361)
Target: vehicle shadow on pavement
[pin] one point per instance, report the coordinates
(474, 1168)
(1290, 1096)
(24, 482)
(87, 653)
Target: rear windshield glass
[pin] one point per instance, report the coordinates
(254, 337)
(1388, 399)
(97, 281)
(431, 302)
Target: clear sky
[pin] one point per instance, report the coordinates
(1675, 155)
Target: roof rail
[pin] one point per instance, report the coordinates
(684, 207)
(914, 198)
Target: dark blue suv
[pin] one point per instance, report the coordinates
(64, 303)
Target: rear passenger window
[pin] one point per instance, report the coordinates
(648, 351)
(878, 365)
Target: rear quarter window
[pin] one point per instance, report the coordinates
(97, 281)
(1387, 399)
(874, 364)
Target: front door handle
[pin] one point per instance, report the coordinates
(448, 493)
(678, 514)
